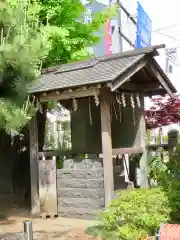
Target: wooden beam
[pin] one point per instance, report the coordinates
(149, 87)
(107, 145)
(115, 151)
(33, 140)
(161, 92)
(130, 150)
(124, 77)
(146, 74)
(153, 68)
(57, 95)
(140, 87)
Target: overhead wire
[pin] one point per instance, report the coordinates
(174, 61)
(167, 27)
(166, 35)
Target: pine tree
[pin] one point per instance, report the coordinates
(22, 50)
(36, 34)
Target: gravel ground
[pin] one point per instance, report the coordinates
(57, 229)
(72, 235)
(10, 236)
(79, 235)
(11, 226)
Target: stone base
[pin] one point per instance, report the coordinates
(79, 213)
(80, 186)
(86, 203)
(80, 193)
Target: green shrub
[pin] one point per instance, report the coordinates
(157, 169)
(133, 215)
(167, 175)
(170, 181)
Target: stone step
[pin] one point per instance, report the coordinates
(80, 193)
(81, 203)
(81, 183)
(80, 173)
(79, 213)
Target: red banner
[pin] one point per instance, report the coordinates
(108, 38)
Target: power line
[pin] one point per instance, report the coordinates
(167, 27)
(166, 35)
(174, 61)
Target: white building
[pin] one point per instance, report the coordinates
(165, 30)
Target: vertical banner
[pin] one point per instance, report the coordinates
(108, 37)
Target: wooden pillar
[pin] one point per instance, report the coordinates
(144, 157)
(107, 145)
(33, 141)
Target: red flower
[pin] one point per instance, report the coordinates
(164, 111)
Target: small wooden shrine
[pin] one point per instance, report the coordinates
(106, 98)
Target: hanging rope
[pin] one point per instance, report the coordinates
(115, 109)
(90, 113)
(75, 105)
(119, 102)
(133, 107)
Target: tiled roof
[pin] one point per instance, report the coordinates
(97, 70)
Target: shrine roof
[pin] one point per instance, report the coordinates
(102, 70)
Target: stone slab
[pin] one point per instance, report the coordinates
(80, 173)
(79, 213)
(81, 203)
(81, 193)
(81, 183)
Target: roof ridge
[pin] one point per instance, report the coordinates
(86, 65)
(93, 61)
